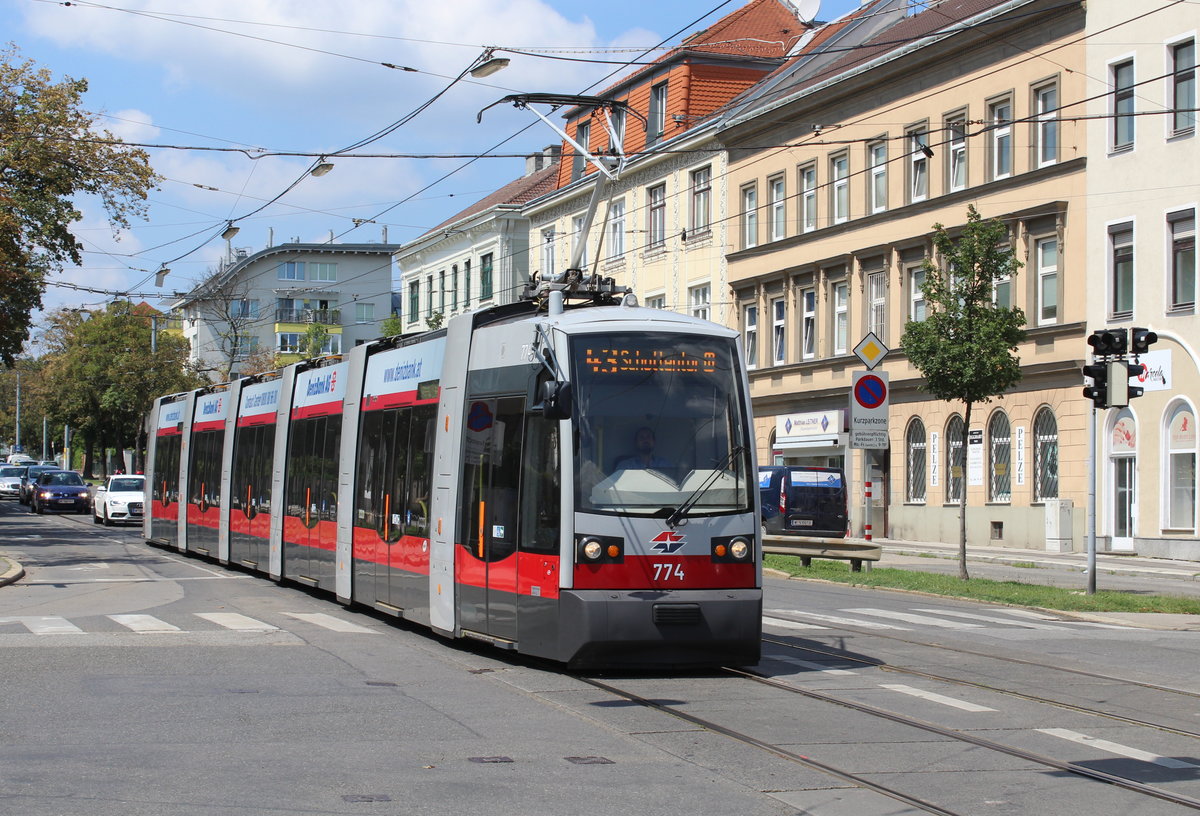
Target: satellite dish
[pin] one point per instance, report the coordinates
(807, 10)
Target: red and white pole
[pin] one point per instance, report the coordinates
(867, 524)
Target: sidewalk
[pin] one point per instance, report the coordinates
(9, 571)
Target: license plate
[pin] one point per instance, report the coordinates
(802, 522)
(64, 501)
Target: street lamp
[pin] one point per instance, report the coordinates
(489, 64)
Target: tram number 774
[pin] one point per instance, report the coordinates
(667, 572)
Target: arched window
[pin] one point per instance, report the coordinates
(1045, 456)
(914, 443)
(955, 459)
(999, 458)
(1180, 458)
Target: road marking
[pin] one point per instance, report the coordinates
(1117, 748)
(842, 621)
(330, 622)
(808, 664)
(924, 620)
(144, 623)
(236, 622)
(1026, 624)
(45, 624)
(935, 698)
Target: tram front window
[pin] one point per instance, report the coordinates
(659, 422)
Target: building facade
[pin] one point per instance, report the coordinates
(1143, 189)
(838, 182)
(265, 302)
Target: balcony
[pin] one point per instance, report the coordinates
(329, 317)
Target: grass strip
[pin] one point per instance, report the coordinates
(1016, 593)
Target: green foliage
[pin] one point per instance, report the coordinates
(312, 344)
(966, 346)
(435, 321)
(392, 326)
(52, 153)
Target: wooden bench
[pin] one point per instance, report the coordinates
(854, 550)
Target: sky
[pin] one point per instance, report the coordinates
(219, 85)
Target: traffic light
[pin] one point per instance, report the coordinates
(1097, 392)
(1136, 370)
(1109, 341)
(1141, 340)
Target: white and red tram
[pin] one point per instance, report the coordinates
(575, 483)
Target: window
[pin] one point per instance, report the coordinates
(956, 177)
(914, 443)
(701, 199)
(955, 459)
(332, 344)
(841, 317)
(364, 312)
(918, 165)
(656, 223)
(779, 331)
(1002, 292)
(877, 183)
(698, 301)
(750, 327)
(291, 270)
(839, 171)
(288, 342)
(583, 132)
(414, 301)
(454, 287)
(579, 241)
(1045, 100)
(1045, 456)
(1122, 105)
(657, 122)
(1183, 87)
(617, 117)
(1000, 145)
(428, 295)
(1183, 260)
(808, 198)
(999, 458)
(324, 272)
(916, 294)
(778, 208)
(548, 252)
(467, 283)
(485, 277)
(616, 229)
(808, 323)
(1046, 258)
(244, 345)
(442, 291)
(656, 302)
(1181, 469)
(1120, 238)
(243, 308)
(876, 304)
(749, 217)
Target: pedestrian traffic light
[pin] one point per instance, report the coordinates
(1097, 392)
(1140, 340)
(1109, 341)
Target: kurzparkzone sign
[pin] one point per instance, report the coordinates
(869, 401)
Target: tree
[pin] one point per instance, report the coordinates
(392, 326)
(315, 338)
(966, 346)
(51, 152)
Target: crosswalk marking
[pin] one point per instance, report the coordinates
(45, 624)
(788, 624)
(144, 623)
(921, 619)
(808, 664)
(1118, 749)
(330, 622)
(933, 697)
(866, 624)
(1025, 624)
(239, 623)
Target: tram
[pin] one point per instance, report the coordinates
(570, 476)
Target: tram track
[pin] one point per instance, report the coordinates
(1072, 768)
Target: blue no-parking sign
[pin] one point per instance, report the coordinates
(869, 400)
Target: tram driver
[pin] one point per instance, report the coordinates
(643, 457)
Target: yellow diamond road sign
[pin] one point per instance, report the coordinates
(871, 350)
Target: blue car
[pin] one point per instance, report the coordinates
(60, 491)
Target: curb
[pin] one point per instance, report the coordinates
(11, 571)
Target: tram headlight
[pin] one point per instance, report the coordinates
(733, 549)
(598, 549)
(592, 549)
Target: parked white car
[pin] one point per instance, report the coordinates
(120, 499)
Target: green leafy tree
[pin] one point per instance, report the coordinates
(312, 344)
(392, 326)
(104, 370)
(52, 154)
(435, 321)
(966, 346)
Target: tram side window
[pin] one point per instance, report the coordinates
(312, 468)
(166, 469)
(491, 479)
(204, 470)
(420, 470)
(252, 467)
(382, 470)
(541, 500)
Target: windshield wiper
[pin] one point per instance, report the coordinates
(679, 515)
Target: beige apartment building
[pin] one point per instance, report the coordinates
(836, 183)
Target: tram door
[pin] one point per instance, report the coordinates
(487, 559)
